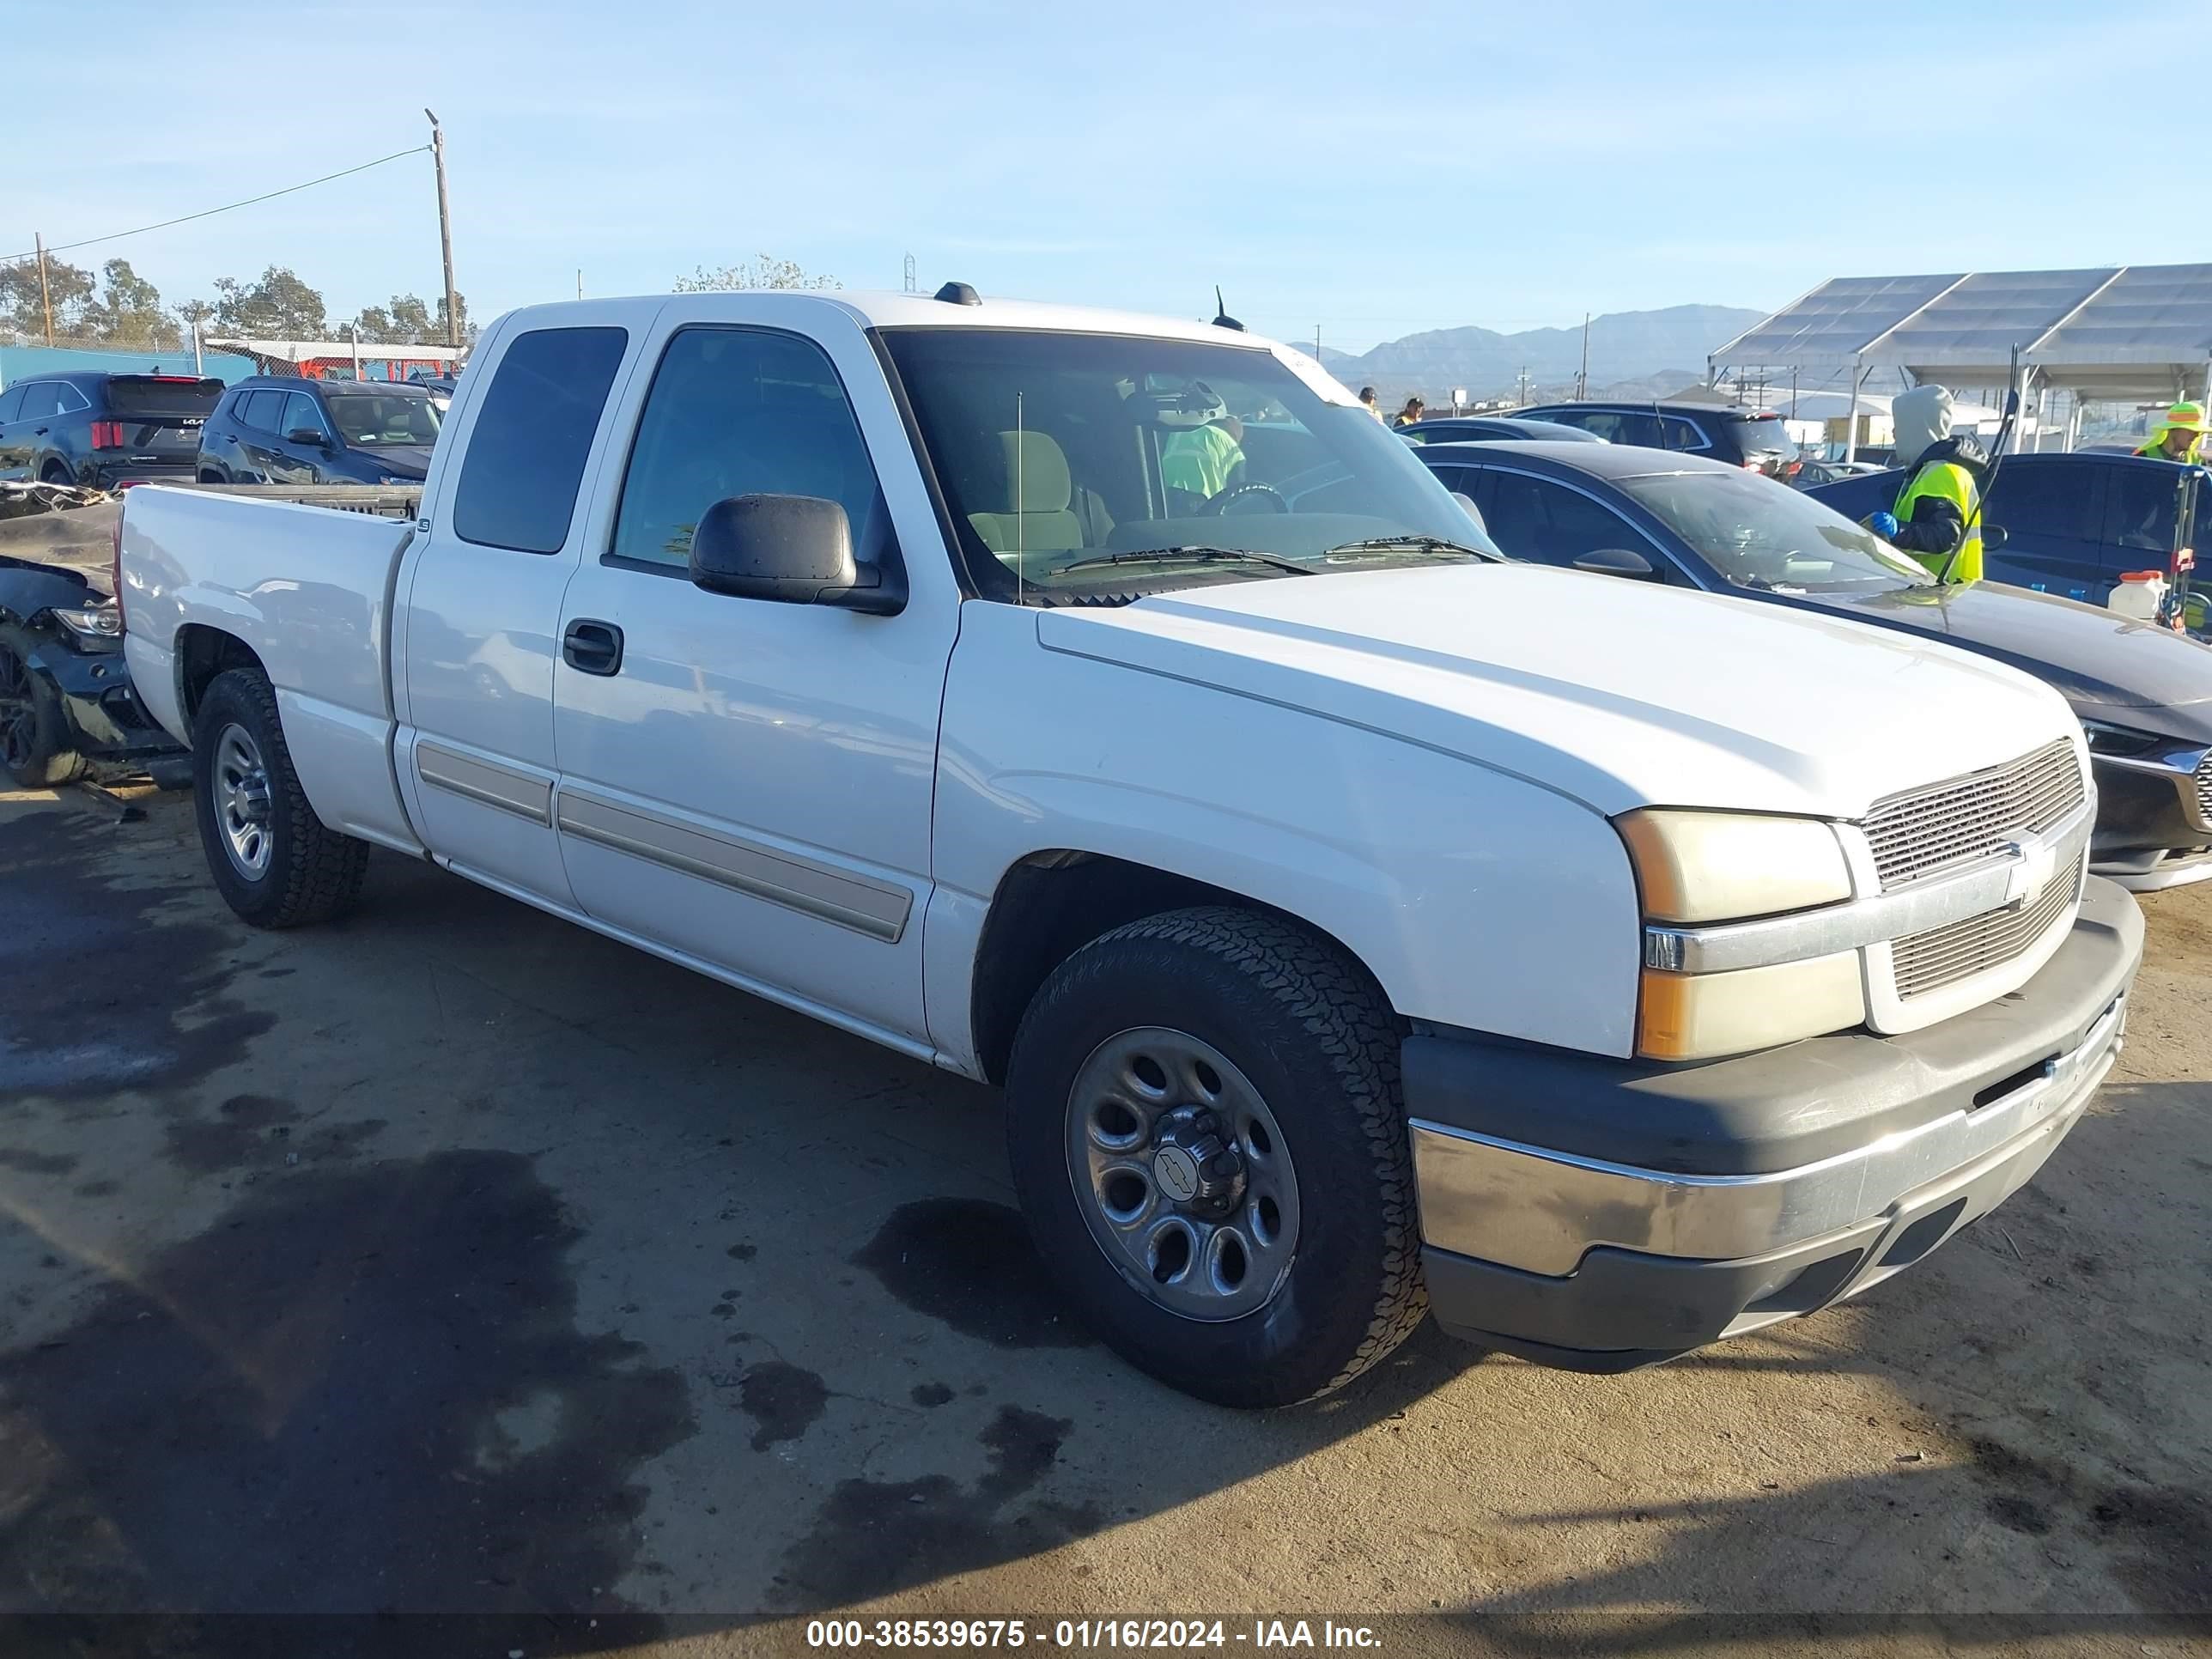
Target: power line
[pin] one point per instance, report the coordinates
(118, 235)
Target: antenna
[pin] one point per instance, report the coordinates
(1221, 316)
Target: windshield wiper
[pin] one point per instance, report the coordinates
(1190, 556)
(1415, 545)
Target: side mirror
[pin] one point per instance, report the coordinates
(797, 550)
(1618, 561)
(1467, 506)
(308, 436)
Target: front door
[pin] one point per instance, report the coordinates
(744, 781)
(474, 749)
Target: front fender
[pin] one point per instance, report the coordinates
(26, 591)
(1476, 898)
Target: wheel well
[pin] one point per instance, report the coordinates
(203, 652)
(1052, 904)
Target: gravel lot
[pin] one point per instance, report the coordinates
(454, 1259)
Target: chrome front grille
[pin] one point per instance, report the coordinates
(2204, 791)
(1922, 831)
(1958, 949)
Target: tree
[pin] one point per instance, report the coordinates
(763, 271)
(280, 306)
(128, 312)
(23, 308)
(407, 321)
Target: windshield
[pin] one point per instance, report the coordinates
(1057, 453)
(1759, 534)
(370, 419)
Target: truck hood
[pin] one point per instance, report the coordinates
(2091, 655)
(1619, 694)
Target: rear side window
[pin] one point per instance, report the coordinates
(525, 462)
(1680, 433)
(40, 399)
(264, 410)
(2043, 501)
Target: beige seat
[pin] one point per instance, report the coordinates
(1043, 519)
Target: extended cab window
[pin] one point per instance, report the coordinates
(739, 412)
(524, 460)
(2044, 501)
(2142, 507)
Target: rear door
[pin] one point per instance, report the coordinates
(261, 438)
(482, 608)
(31, 432)
(2050, 508)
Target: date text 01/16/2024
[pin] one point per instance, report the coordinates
(1264, 1635)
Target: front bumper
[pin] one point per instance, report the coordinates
(2153, 827)
(1605, 1214)
(105, 719)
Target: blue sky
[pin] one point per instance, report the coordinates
(1376, 169)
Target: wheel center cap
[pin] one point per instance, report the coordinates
(1176, 1173)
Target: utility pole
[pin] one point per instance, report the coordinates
(1582, 380)
(446, 233)
(580, 281)
(45, 298)
(1316, 342)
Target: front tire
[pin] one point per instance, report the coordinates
(34, 730)
(276, 864)
(1208, 1141)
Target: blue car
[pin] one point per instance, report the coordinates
(2073, 524)
(281, 431)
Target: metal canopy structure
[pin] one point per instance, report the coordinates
(2128, 331)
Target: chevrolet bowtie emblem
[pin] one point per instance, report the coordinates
(2035, 863)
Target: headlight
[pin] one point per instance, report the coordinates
(1729, 867)
(2105, 739)
(1698, 867)
(96, 624)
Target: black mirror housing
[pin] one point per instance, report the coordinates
(1618, 561)
(794, 549)
(308, 436)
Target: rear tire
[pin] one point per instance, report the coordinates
(56, 472)
(1215, 1025)
(276, 863)
(34, 729)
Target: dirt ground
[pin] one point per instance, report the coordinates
(452, 1259)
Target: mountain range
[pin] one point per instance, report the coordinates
(1667, 346)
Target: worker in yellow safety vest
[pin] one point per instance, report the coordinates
(2180, 437)
(1938, 515)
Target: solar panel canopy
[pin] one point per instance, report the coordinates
(2111, 331)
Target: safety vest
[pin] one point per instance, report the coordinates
(1947, 481)
(1199, 460)
(2156, 449)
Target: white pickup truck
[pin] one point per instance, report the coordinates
(1358, 922)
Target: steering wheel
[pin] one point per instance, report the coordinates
(1219, 505)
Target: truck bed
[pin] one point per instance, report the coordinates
(304, 578)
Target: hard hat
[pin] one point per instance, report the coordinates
(2190, 416)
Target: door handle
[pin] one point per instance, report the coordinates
(592, 647)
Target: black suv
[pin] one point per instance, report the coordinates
(89, 427)
(1752, 439)
(281, 431)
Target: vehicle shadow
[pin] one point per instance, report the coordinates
(477, 1265)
